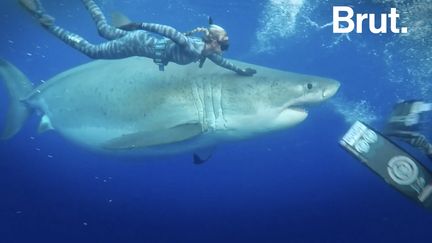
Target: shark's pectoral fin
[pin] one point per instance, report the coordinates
(201, 156)
(45, 124)
(154, 138)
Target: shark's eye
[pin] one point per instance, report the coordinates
(309, 86)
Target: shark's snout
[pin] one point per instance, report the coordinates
(331, 89)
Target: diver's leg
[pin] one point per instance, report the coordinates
(114, 49)
(137, 43)
(109, 50)
(105, 30)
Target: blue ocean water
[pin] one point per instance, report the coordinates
(293, 186)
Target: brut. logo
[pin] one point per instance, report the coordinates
(346, 24)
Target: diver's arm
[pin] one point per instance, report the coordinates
(164, 30)
(219, 60)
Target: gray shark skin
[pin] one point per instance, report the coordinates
(128, 106)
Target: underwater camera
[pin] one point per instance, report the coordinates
(388, 160)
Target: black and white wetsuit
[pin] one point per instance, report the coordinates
(160, 42)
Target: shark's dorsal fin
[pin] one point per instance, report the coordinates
(147, 139)
(119, 19)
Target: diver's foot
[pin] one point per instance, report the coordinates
(46, 20)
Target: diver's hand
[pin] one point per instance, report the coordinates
(247, 72)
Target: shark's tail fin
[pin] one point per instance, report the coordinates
(18, 87)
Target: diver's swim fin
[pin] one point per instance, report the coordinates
(35, 8)
(400, 170)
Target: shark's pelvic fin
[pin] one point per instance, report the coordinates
(45, 124)
(201, 156)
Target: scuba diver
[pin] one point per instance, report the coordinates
(133, 39)
(396, 166)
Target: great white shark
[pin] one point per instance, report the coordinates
(128, 106)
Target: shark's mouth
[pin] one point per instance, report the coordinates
(300, 109)
(291, 116)
(296, 106)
